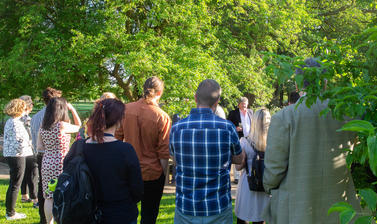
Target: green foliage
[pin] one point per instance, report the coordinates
(370, 197)
(359, 126)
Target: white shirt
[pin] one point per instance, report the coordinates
(17, 140)
(245, 121)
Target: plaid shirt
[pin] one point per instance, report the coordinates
(202, 145)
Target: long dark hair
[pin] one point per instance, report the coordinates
(106, 113)
(56, 111)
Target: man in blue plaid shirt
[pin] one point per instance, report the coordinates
(204, 146)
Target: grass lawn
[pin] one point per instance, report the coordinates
(166, 214)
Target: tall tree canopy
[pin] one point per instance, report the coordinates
(85, 47)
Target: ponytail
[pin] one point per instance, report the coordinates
(106, 114)
(97, 122)
(151, 86)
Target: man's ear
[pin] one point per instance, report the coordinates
(196, 100)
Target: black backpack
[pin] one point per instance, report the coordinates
(74, 195)
(255, 179)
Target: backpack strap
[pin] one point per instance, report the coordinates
(76, 149)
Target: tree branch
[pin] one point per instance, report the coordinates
(335, 12)
(124, 85)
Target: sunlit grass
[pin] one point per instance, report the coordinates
(166, 214)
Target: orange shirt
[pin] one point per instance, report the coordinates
(146, 127)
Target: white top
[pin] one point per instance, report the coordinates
(245, 121)
(249, 204)
(17, 141)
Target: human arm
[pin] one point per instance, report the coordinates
(40, 145)
(236, 151)
(75, 115)
(242, 165)
(164, 126)
(277, 154)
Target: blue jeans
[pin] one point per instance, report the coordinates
(225, 217)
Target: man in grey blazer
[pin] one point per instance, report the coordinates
(305, 165)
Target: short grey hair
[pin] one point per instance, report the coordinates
(243, 100)
(208, 92)
(28, 101)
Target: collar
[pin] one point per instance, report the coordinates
(142, 100)
(201, 111)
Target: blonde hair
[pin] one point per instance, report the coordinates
(259, 128)
(15, 108)
(108, 95)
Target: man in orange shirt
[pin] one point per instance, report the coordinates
(146, 127)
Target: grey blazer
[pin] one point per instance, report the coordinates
(305, 166)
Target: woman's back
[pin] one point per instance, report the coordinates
(116, 172)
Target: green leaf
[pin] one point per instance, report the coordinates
(346, 216)
(359, 126)
(299, 80)
(339, 207)
(324, 112)
(364, 220)
(372, 152)
(370, 197)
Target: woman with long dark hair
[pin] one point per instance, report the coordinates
(54, 137)
(113, 164)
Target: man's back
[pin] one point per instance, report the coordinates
(305, 161)
(202, 145)
(146, 127)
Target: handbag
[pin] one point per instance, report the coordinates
(255, 177)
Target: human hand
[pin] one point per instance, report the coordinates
(239, 129)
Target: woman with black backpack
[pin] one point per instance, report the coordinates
(113, 164)
(249, 203)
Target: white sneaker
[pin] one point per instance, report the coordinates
(16, 216)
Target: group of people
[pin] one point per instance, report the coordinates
(129, 145)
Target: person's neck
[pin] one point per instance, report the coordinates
(243, 111)
(110, 130)
(154, 100)
(213, 108)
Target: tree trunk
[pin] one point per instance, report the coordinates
(124, 85)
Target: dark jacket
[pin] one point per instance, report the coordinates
(235, 117)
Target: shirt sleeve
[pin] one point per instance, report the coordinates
(164, 126)
(277, 154)
(20, 135)
(171, 142)
(235, 142)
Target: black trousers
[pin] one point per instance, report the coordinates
(150, 203)
(30, 181)
(16, 173)
(240, 221)
(41, 200)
